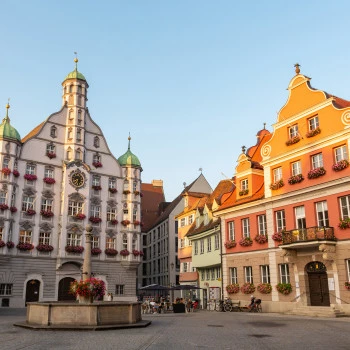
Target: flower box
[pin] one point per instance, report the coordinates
(111, 252)
(248, 288)
(243, 192)
(315, 173)
(295, 179)
(246, 242)
(126, 192)
(4, 206)
(92, 287)
(44, 247)
(30, 212)
(112, 190)
(230, 244)
(10, 244)
(141, 253)
(6, 171)
(51, 154)
(13, 209)
(96, 187)
(74, 249)
(276, 185)
(80, 216)
(124, 252)
(277, 236)
(97, 164)
(2, 243)
(284, 288)
(232, 288)
(293, 140)
(49, 180)
(313, 132)
(136, 223)
(95, 219)
(264, 288)
(341, 165)
(135, 252)
(344, 223)
(347, 285)
(261, 239)
(125, 222)
(96, 251)
(30, 177)
(24, 246)
(113, 221)
(15, 173)
(136, 193)
(46, 213)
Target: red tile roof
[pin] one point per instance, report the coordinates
(34, 132)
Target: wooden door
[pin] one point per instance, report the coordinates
(319, 292)
(63, 290)
(32, 291)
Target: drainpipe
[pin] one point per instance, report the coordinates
(222, 279)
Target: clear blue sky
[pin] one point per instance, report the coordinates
(192, 81)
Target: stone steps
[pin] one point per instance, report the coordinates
(317, 311)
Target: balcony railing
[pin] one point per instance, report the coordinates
(308, 234)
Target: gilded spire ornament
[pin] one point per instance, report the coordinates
(297, 69)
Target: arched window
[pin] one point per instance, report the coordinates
(70, 88)
(126, 185)
(53, 131)
(79, 117)
(70, 133)
(96, 141)
(78, 154)
(79, 89)
(79, 101)
(69, 153)
(78, 134)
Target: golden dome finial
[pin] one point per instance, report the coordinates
(129, 138)
(7, 107)
(297, 69)
(76, 60)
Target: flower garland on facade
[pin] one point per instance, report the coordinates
(113, 221)
(111, 251)
(295, 179)
(124, 252)
(24, 246)
(342, 164)
(264, 288)
(246, 242)
(347, 285)
(277, 236)
(293, 140)
(91, 287)
(30, 177)
(46, 213)
(261, 239)
(6, 171)
(126, 192)
(284, 288)
(74, 249)
(276, 185)
(230, 244)
(313, 132)
(232, 288)
(44, 247)
(248, 288)
(96, 251)
(49, 180)
(135, 252)
(317, 172)
(136, 222)
(136, 193)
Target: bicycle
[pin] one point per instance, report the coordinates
(256, 306)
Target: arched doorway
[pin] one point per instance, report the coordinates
(318, 284)
(63, 289)
(32, 291)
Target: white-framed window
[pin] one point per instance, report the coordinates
(313, 123)
(134, 242)
(119, 289)
(203, 274)
(284, 273)
(245, 227)
(300, 219)
(345, 207)
(3, 196)
(262, 224)
(185, 267)
(49, 173)
(95, 211)
(78, 137)
(6, 288)
(96, 158)
(322, 214)
(195, 247)
(231, 230)
(46, 204)
(27, 203)
(5, 163)
(96, 181)
(74, 239)
(244, 184)
(201, 244)
(70, 133)
(277, 174)
(317, 161)
(25, 236)
(30, 169)
(134, 186)
(296, 168)
(218, 272)
(1, 234)
(111, 213)
(50, 148)
(134, 214)
(209, 244)
(111, 183)
(233, 275)
(265, 273)
(125, 241)
(293, 131)
(248, 274)
(280, 220)
(207, 274)
(126, 185)
(74, 208)
(212, 273)
(190, 219)
(183, 222)
(340, 153)
(44, 237)
(53, 131)
(111, 243)
(217, 242)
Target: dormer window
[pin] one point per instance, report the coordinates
(186, 201)
(53, 131)
(96, 142)
(244, 185)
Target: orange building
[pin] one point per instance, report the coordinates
(287, 221)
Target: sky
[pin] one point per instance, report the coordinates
(191, 80)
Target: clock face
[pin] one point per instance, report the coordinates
(78, 179)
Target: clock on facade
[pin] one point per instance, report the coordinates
(77, 179)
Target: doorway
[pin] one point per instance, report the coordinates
(318, 284)
(32, 291)
(63, 289)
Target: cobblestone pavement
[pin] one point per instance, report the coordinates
(199, 330)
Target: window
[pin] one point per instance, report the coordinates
(190, 219)
(280, 220)
(50, 148)
(277, 174)
(1, 234)
(95, 211)
(284, 273)
(44, 238)
(313, 123)
(182, 243)
(207, 274)
(212, 272)
(125, 241)
(96, 142)
(296, 168)
(265, 273)
(96, 181)
(183, 222)
(248, 274)
(345, 207)
(110, 243)
(49, 173)
(262, 224)
(231, 230)
(69, 154)
(196, 248)
(53, 131)
(111, 183)
(216, 242)
(134, 214)
(201, 246)
(2, 197)
(74, 239)
(245, 227)
(5, 162)
(244, 185)
(6, 288)
(185, 267)
(134, 186)
(97, 159)
(340, 153)
(70, 88)
(27, 203)
(79, 135)
(30, 169)
(203, 274)
(300, 217)
(209, 244)
(317, 161)
(46, 204)
(322, 214)
(78, 154)
(119, 289)
(74, 208)
(25, 236)
(293, 131)
(233, 275)
(95, 242)
(111, 213)
(70, 133)
(79, 117)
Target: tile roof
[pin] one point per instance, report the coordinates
(193, 230)
(33, 132)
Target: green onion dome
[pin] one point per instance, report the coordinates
(75, 74)
(128, 158)
(7, 131)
